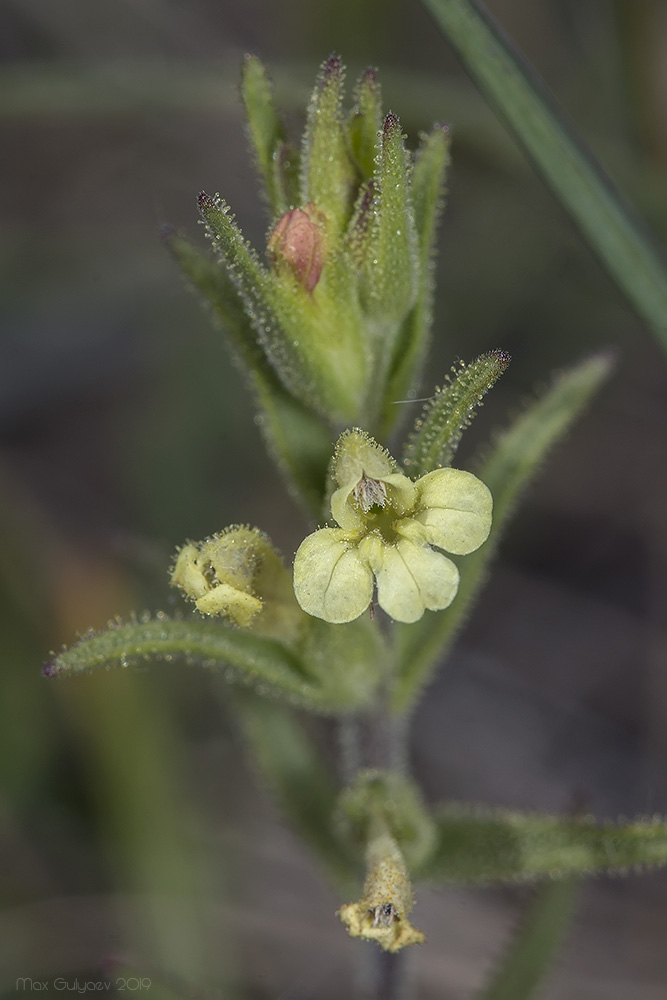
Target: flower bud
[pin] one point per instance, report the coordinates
(298, 241)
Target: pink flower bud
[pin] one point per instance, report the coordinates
(298, 240)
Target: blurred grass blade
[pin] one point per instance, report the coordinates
(296, 437)
(439, 429)
(512, 87)
(509, 468)
(478, 844)
(536, 941)
(244, 657)
(302, 784)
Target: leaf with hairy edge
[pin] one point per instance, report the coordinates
(511, 85)
(427, 191)
(297, 438)
(365, 122)
(438, 431)
(393, 271)
(300, 780)
(512, 463)
(535, 943)
(276, 161)
(327, 175)
(245, 658)
(477, 844)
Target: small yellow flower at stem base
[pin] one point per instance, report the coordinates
(388, 527)
(382, 913)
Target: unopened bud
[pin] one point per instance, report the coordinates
(298, 241)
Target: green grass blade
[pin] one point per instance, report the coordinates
(513, 462)
(535, 944)
(522, 100)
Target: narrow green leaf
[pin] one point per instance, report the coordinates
(427, 192)
(535, 944)
(511, 85)
(392, 284)
(275, 159)
(300, 780)
(482, 845)
(364, 123)
(438, 431)
(272, 311)
(512, 463)
(327, 175)
(244, 657)
(296, 437)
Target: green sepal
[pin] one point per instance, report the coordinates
(364, 123)
(300, 780)
(476, 844)
(275, 160)
(346, 659)
(296, 437)
(427, 190)
(513, 461)
(245, 658)
(327, 174)
(535, 943)
(396, 802)
(439, 429)
(393, 269)
(263, 299)
(312, 341)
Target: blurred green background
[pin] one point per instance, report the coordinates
(133, 834)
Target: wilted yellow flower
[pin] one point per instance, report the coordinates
(237, 574)
(388, 525)
(381, 915)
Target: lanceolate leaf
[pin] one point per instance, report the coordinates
(438, 431)
(394, 267)
(245, 658)
(478, 844)
(365, 122)
(297, 437)
(428, 200)
(511, 85)
(301, 782)
(275, 159)
(535, 944)
(327, 174)
(512, 463)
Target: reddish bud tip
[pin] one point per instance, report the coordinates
(48, 670)
(298, 241)
(332, 66)
(391, 122)
(204, 200)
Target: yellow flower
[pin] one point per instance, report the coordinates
(388, 525)
(238, 575)
(381, 915)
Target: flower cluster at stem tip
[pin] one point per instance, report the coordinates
(388, 526)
